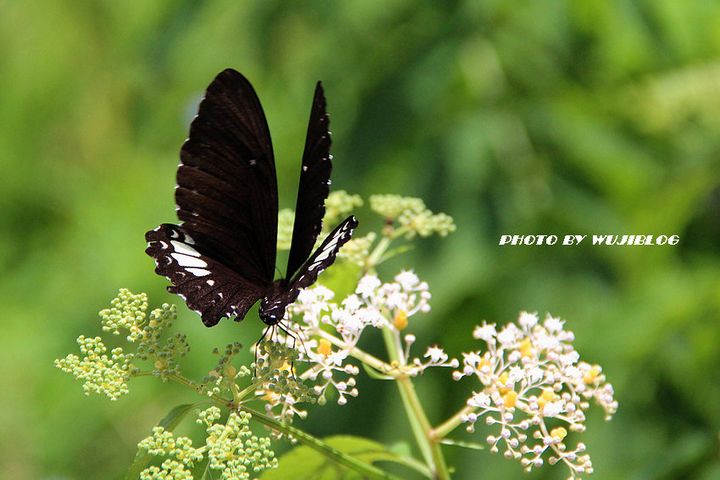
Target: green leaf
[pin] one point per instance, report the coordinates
(304, 463)
(169, 422)
(342, 278)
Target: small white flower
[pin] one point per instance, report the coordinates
(436, 354)
(508, 335)
(553, 409)
(479, 400)
(553, 324)
(485, 332)
(306, 296)
(396, 300)
(515, 374)
(367, 286)
(407, 279)
(534, 374)
(352, 303)
(570, 358)
(528, 320)
(371, 316)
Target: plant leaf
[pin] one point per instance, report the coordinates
(304, 463)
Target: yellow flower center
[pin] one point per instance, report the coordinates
(548, 395)
(526, 348)
(401, 320)
(510, 399)
(324, 347)
(591, 375)
(502, 382)
(558, 432)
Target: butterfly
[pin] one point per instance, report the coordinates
(221, 258)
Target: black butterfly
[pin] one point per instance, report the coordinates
(221, 258)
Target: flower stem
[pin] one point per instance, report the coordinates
(374, 258)
(429, 446)
(442, 430)
(361, 355)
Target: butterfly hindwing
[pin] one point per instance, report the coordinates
(227, 188)
(207, 286)
(323, 257)
(314, 184)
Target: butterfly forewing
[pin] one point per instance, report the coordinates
(207, 286)
(227, 189)
(314, 184)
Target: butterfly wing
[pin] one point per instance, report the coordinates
(209, 287)
(323, 257)
(227, 187)
(314, 184)
(226, 199)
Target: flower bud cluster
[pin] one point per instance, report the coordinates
(357, 249)
(280, 388)
(108, 374)
(100, 373)
(412, 216)
(127, 312)
(224, 376)
(338, 205)
(534, 390)
(230, 447)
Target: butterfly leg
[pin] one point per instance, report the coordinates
(257, 346)
(286, 331)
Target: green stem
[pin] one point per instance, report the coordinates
(361, 355)
(442, 430)
(374, 258)
(365, 469)
(429, 446)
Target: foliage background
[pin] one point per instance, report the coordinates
(514, 117)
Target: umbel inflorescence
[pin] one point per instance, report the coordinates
(530, 389)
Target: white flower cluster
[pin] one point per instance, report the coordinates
(533, 386)
(328, 333)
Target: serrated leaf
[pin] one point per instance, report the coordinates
(169, 422)
(304, 463)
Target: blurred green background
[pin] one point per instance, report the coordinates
(541, 116)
